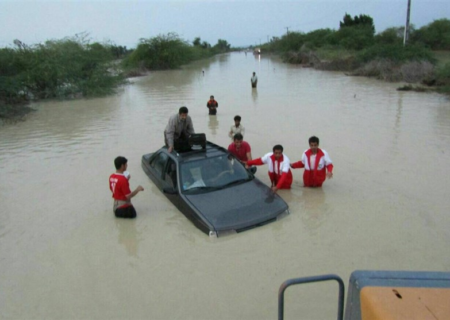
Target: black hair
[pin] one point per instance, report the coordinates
(183, 109)
(238, 118)
(313, 139)
(238, 136)
(278, 147)
(119, 161)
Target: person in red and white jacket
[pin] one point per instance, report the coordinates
(279, 168)
(317, 163)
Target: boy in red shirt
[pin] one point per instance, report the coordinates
(120, 188)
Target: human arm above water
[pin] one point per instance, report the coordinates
(297, 165)
(135, 192)
(256, 162)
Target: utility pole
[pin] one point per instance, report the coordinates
(406, 35)
(287, 30)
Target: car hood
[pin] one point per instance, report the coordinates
(238, 207)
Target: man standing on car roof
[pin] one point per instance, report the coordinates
(279, 168)
(178, 130)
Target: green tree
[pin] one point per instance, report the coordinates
(362, 20)
(197, 42)
(392, 35)
(159, 53)
(221, 46)
(435, 35)
(205, 45)
(318, 38)
(355, 33)
(57, 68)
(293, 41)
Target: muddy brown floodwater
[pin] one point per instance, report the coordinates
(63, 255)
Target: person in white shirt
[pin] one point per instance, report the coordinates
(237, 128)
(254, 80)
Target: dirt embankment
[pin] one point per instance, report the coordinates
(420, 73)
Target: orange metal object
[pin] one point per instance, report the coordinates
(405, 303)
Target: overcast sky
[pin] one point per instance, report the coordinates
(240, 22)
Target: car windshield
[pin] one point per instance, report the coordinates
(212, 173)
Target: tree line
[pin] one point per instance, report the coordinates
(74, 67)
(355, 47)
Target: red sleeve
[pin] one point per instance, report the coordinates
(298, 164)
(281, 181)
(330, 167)
(256, 162)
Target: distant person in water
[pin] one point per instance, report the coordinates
(279, 168)
(240, 148)
(317, 163)
(237, 128)
(120, 188)
(178, 130)
(254, 80)
(212, 106)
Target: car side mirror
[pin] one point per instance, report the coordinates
(252, 169)
(169, 190)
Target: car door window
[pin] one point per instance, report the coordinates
(159, 162)
(170, 175)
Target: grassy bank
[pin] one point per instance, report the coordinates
(442, 57)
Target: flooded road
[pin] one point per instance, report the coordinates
(63, 255)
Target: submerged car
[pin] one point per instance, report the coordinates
(213, 189)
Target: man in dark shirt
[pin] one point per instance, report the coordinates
(212, 105)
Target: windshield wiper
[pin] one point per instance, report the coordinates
(235, 182)
(201, 188)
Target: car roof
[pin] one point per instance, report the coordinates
(211, 150)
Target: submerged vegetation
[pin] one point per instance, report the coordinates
(356, 49)
(169, 52)
(66, 68)
(74, 67)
